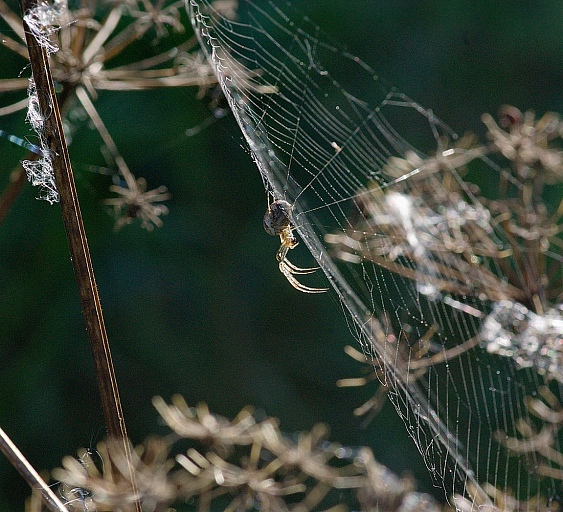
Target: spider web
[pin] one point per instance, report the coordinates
(437, 289)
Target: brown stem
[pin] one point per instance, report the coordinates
(27, 471)
(80, 254)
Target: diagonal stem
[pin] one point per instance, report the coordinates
(84, 99)
(78, 244)
(27, 471)
(11, 19)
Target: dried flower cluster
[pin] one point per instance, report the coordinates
(461, 248)
(244, 464)
(86, 42)
(448, 232)
(439, 231)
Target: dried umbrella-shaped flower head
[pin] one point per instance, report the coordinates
(135, 202)
(524, 140)
(275, 472)
(87, 38)
(239, 465)
(84, 40)
(440, 232)
(497, 261)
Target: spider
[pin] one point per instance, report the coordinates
(277, 221)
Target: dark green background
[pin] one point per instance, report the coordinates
(199, 307)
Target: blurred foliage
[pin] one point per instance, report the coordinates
(199, 307)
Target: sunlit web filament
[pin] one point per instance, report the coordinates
(21, 142)
(38, 151)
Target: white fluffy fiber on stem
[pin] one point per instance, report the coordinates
(40, 172)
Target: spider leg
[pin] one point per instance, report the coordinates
(289, 242)
(298, 270)
(286, 271)
(282, 252)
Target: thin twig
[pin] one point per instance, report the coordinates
(84, 99)
(27, 471)
(14, 107)
(13, 45)
(78, 244)
(13, 84)
(11, 19)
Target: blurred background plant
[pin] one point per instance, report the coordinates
(84, 53)
(198, 306)
(246, 464)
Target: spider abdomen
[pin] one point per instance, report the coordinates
(278, 217)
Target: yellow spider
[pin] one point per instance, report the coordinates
(277, 221)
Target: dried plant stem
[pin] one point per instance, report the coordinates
(26, 470)
(76, 236)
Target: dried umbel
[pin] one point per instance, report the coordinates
(455, 236)
(82, 41)
(490, 266)
(244, 464)
(439, 231)
(86, 43)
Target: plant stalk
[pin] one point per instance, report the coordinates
(78, 244)
(27, 471)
